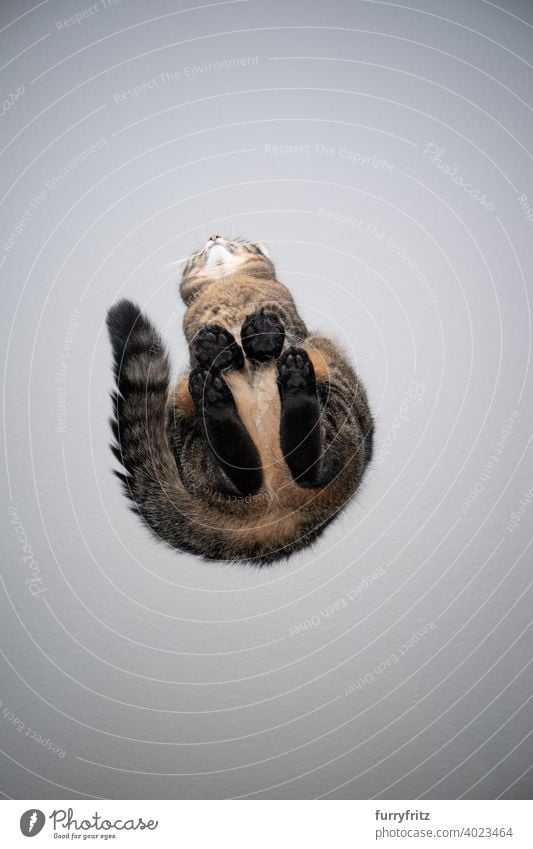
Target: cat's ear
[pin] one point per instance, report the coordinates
(263, 248)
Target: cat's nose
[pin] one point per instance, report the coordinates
(215, 237)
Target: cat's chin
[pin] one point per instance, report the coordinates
(220, 259)
(218, 254)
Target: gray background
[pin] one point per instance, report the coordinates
(160, 676)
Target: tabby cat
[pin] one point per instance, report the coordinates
(267, 436)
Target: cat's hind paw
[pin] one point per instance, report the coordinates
(208, 388)
(296, 372)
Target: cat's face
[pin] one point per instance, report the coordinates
(221, 257)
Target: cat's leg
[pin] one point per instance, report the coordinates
(347, 420)
(227, 437)
(262, 335)
(204, 395)
(214, 346)
(198, 467)
(300, 434)
(326, 424)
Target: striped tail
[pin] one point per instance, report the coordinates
(151, 479)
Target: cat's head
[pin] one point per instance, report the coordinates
(221, 257)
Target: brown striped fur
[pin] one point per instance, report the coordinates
(172, 475)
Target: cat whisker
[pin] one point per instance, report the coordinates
(175, 263)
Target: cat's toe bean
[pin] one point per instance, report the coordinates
(215, 346)
(208, 387)
(262, 335)
(295, 371)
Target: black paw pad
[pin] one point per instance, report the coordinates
(262, 336)
(215, 346)
(296, 372)
(208, 387)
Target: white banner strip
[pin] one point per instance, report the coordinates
(267, 824)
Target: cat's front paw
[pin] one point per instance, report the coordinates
(262, 336)
(208, 388)
(296, 372)
(215, 346)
